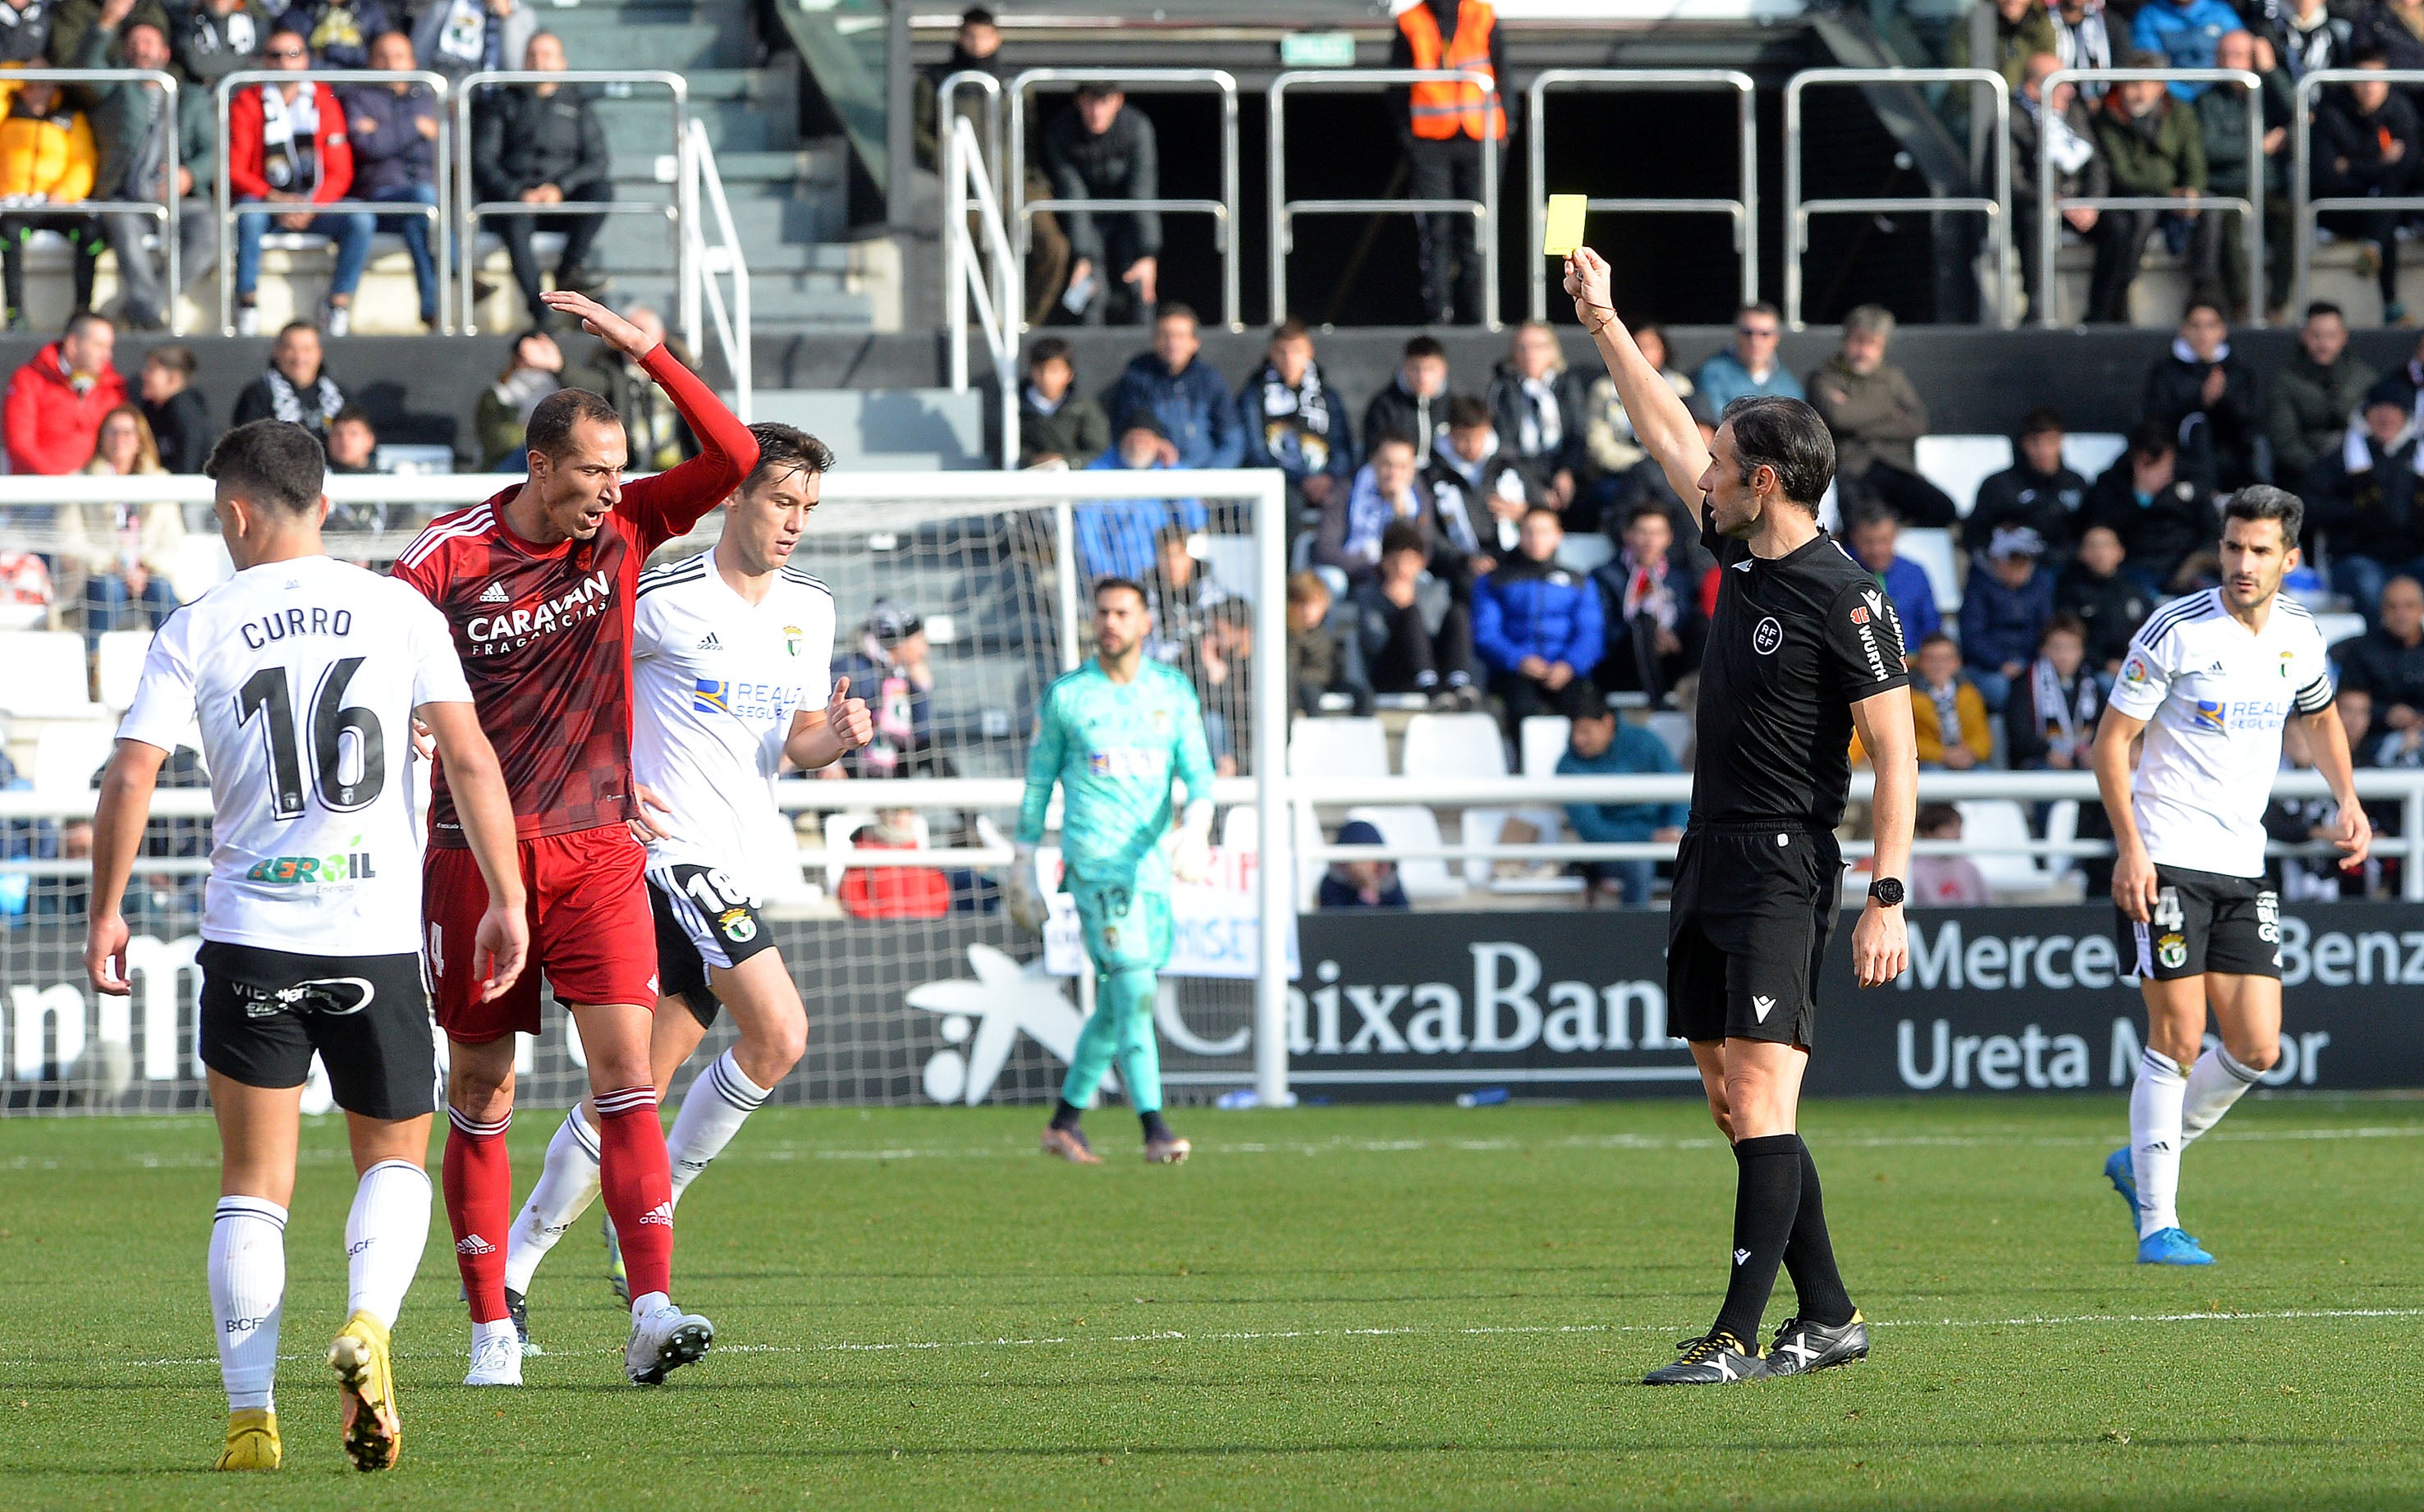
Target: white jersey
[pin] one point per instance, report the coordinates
(717, 680)
(303, 676)
(2214, 698)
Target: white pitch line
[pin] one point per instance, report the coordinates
(1476, 1331)
(791, 1151)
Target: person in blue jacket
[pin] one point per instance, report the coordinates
(1537, 625)
(1192, 403)
(1750, 367)
(2005, 611)
(1602, 745)
(1115, 536)
(2186, 33)
(1873, 535)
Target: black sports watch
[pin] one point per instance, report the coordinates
(1888, 891)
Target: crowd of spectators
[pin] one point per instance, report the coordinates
(2187, 142)
(1442, 554)
(70, 409)
(291, 149)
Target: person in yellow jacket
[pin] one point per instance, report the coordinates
(1948, 716)
(1444, 125)
(47, 158)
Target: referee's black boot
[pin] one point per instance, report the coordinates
(1710, 1360)
(1802, 1346)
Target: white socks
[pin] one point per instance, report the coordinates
(384, 1236)
(567, 1185)
(2166, 1111)
(2155, 1139)
(247, 1270)
(2215, 1082)
(711, 1113)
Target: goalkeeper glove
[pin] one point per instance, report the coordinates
(1190, 861)
(1022, 897)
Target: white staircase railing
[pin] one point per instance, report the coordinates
(986, 273)
(724, 254)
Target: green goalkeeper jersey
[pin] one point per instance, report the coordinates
(1113, 748)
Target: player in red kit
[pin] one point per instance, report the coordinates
(539, 585)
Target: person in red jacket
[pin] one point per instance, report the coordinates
(56, 401)
(287, 145)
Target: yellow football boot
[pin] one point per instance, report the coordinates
(251, 1440)
(374, 1435)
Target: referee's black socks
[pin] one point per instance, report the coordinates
(1065, 1114)
(1810, 1255)
(1767, 1198)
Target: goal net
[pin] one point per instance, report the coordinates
(959, 598)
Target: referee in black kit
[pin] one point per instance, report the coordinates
(1803, 650)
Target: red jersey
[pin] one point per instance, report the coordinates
(544, 633)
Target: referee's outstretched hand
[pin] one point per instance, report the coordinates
(1590, 284)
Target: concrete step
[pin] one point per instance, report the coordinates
(650, 38)
(809, 307)
(817, 163)
(644, 126)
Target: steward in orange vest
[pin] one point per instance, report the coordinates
(1438, 111)
(1446, 125)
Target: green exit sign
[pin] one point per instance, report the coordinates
(1318, 50)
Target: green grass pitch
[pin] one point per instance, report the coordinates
(1332, 1306)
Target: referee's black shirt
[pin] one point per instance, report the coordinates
(1796, 641)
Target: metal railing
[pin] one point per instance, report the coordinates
(946, 105)
(2250, 209)
(1743, 212)
(966, 267)
(1223, 211)
(165, 210)
(1996, 208)
(1284, 210)
(2304, 206)
(684, 207)
(727, 255)
(228, 209)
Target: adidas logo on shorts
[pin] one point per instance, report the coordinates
(471, 1244)
(662, 1213)
(495, 593)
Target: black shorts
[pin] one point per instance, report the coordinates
(264, 1012)
(704, 919)
(1746, 931)
(2204, 921)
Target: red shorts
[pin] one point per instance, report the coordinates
(590, 930)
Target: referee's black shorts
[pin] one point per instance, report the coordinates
(1747, 930)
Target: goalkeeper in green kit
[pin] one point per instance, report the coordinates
(1113, 734)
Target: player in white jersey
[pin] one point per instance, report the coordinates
(305, 674)
(733, 672)
(2209, 681)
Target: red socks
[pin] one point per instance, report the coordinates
(479, 1177)
(639, 1189)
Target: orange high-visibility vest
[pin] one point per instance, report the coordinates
(1441, 110)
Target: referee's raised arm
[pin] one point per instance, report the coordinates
(1659, 417)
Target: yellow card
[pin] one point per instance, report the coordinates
(1565, 229)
